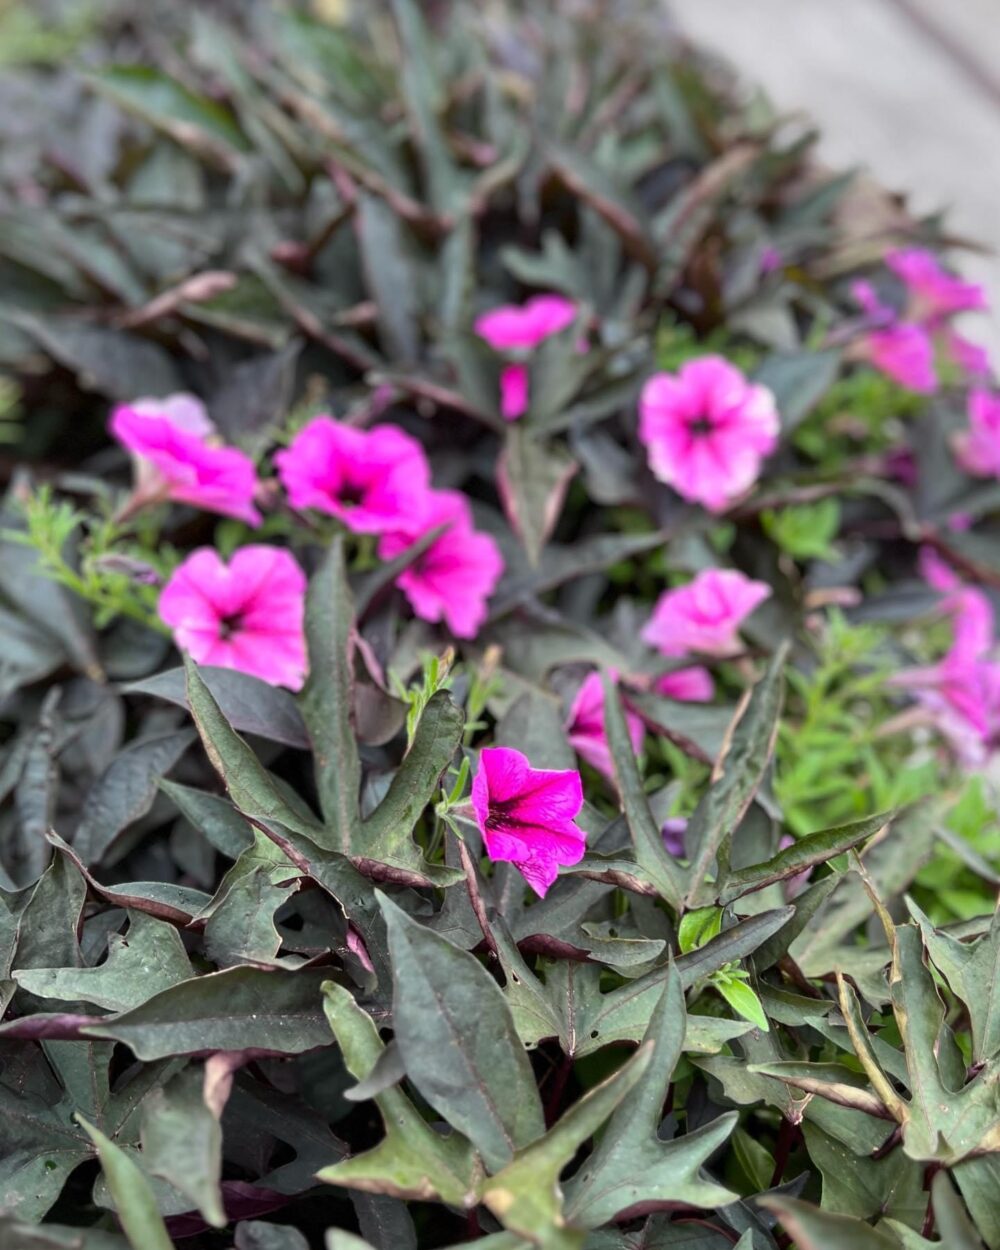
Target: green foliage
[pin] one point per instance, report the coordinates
(260, 984)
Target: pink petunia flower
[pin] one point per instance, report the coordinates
(978, 448)
(453, 579)
(935, 293)
(526, 815)
(520, 329)
(247, 615)
(902, 350)
(962, 690)
(706, 430)
(706, 614)
(586, 730)
(512, 327)
(174, 458)
(371, 480)
(686, 685)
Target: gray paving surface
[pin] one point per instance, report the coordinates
(909, 89)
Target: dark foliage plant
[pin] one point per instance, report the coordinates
(270, 978)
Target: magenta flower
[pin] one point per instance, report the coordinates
(514, 383)
(969, 357)
(170, 441)
(935, 293)
(453, 579)
(961, 691)
(513, 327)
(706, 614)
(902, 350)
(247, 615)
(686, 685)
(371, 480)
(706, 430)
(586, 730)
(519, 329)
(978, 448)
(526, 815)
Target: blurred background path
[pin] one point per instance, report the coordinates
(909, 89)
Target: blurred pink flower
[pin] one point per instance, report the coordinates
(526, 815)
(962, 690)
(973, 360)
(174, 459)
(247, 615)
(936, 572)
(935, 293)
(706, 430)
(686, 685)
(706, 614)
(452, 580)
(978, 448)
(519, 329)
(371, 480)
(902, 350)
(586, 729)
(514, 382)
(672, 831)
(513, 326)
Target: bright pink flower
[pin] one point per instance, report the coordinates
(169, 439)
(456, 575)
(519, 329)
(935, 292)
(247, 615)
(706, 614)
(902, 350)
(514, 383)
(706, 430)
(961, 691)
(586, 729)
(371, 480)
(686, 685)
(905, 353)
(513, 327)
(978, 447)
(526, 815)
(963, 696)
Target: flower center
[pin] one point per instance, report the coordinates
(701, 426)
(351, 494)
(230, 625)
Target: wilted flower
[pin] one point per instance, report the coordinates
(247, 615)
(707, 429)
(371, 480)
(519, 329)
(526, 815)
(978, 447)
(175, 458)
(452, 580)
(706, 614)
(585, 726)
